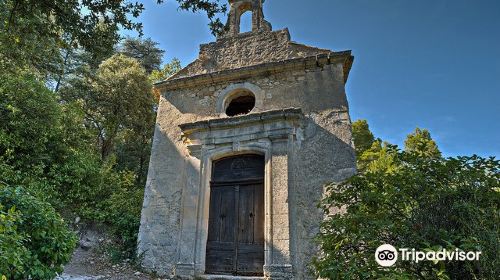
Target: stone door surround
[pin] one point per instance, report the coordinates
(270, 134)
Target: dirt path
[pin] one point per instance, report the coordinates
(91, 265)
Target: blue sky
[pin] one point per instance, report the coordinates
(434, 64)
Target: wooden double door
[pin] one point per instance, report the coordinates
(235, 243)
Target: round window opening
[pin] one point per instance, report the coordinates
(241, 104)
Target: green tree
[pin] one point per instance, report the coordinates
(426, 204)
(372, 154)
(46, 149)
(118, 98)
(28, 114)
(124, 100)
(380, 157)
(75, 152)
(133, 150)
(79, 20)
(421, 144)
(145, 51)
(44, 145)
(412, 200)
(168, 70)
(362, 136)
(76, 62)
(32, 32)
(124, 212)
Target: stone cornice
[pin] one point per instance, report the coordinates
(221, 123)
(306, 63)
(270, 125)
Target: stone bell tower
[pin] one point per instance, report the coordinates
(237, 8)
(246, 138)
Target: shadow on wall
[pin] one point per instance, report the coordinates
(321, 159)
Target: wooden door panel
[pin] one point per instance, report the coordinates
(246, 215)
(221, 246)
(228, 217)
(213, 216)
(222, 216)
(250, 257)
(220, 258)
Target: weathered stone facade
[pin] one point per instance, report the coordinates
(300, 124)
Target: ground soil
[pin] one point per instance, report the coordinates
(93, 264)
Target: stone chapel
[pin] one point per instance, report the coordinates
(246, 138)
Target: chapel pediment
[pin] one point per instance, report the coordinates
(247, 50)
(234, 50)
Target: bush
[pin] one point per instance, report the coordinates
(35, 242)
(29, 118)
(421, 203)
(123, 214)
(12, 251)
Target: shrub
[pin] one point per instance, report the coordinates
(12, 251)
(35, 242)
(123, 213)
(421, 203)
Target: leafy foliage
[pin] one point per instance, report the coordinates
(44, 34)
(119, 110)
(12, 251)
(78, 19)
(211, 7)
(168, 70)
(28, 111)
(123, 99)
(145, 51)
(35, 242)
(421, 144)
(84, 147)
(46, 148)
(123, 214)
(43, 145)
(118, 105)
(412, 201)
(117, 97)
(362, 136)
(380, 156)
(32, 33)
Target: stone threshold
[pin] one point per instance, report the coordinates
(228, 277)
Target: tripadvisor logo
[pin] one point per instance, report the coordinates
(386, 255)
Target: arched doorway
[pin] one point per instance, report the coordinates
(235, 242)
